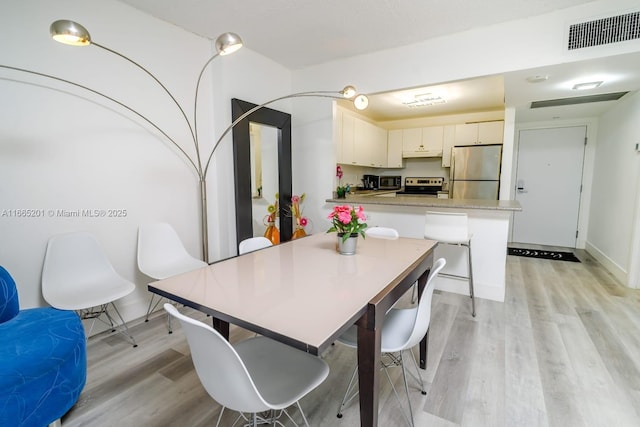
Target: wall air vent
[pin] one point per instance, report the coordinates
(604, 31)
(578, 100)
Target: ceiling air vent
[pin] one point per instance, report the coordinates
(578, 100)
(604, 31)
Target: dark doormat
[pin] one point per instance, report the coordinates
(537, 253)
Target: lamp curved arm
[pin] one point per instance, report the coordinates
(192, 130)
(321, 94)
(198, 170)
(195, 107)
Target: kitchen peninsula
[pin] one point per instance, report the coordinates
(489, 222)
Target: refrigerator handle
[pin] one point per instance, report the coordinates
(453, 165)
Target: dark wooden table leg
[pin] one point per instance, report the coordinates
(369, 342)
(221, 326)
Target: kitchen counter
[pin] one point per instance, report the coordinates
(489, 224)
(372, 197)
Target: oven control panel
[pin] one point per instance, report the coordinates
(423, 182)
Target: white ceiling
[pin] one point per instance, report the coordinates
(299, 33)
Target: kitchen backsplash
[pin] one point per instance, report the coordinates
(431, 167)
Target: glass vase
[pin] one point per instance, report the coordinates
(272, 233)
(298, 233)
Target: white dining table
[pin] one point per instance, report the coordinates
(305, 294)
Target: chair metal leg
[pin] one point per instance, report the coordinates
(124, 329)
(418, 374)
(151, 306)
(220, 416)
(471, 293)
(346, 399)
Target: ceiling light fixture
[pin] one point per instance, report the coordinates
(424, 100)
(537, 79)
(586, 85)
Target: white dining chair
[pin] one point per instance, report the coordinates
(78, 276)
(161, 254)
(256, 376)
(253, 244)
(452, 228)
(402, 329)
(389, 233)
(381, 232)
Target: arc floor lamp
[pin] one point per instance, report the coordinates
(72, 33)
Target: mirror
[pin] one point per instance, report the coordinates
(275, 130)
(264, 172)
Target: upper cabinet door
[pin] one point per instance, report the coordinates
(447, 144)
(432, 138)
(411, 139)
(480, 133)
(348, 138)
(466, 134)
(491, 132)
(394, 149)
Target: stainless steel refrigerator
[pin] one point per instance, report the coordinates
(475, 172)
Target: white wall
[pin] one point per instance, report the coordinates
(62, 148)
(616, 189)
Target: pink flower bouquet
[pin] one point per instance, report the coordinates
(347, 220)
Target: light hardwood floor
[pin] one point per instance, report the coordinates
(562, 350)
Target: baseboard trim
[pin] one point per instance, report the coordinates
(618, 272)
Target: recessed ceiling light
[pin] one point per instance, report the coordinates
(586, 85)
(537, 79)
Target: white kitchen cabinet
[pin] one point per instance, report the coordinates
(411, 139)
(448, 142)
(432, 138)
(348, 136)
(422, 142)
(379, 147)
(369, 145)
(491, 132)
(479, 133)
(394, 149)
(359, 142)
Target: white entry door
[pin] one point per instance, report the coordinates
(548, 185)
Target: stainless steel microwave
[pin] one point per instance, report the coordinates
(391, 182)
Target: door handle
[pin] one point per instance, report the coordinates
(520, 186)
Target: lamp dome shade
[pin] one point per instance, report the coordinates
(228, 43)
(349, 92)
(361, 102)
(69, 32)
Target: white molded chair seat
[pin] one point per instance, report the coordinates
(402, 329)
(77, 275)
(253, 244)
(447, 227)
(161, 254)
(382, 232)
(255, 375)
(391, 234)
(452, 228)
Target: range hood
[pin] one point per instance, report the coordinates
(421, 153)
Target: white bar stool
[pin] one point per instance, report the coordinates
(452, 228)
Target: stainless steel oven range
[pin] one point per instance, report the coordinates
(422, 186)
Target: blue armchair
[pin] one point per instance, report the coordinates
(43, 361)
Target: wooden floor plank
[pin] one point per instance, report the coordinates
(447, 396)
